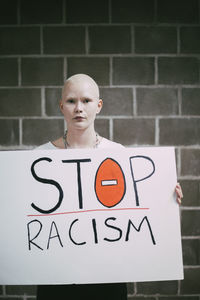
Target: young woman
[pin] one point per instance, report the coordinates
(80, 103)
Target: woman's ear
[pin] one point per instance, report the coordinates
(61, 106)
(100, 105)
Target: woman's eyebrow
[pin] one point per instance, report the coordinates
(69, 98)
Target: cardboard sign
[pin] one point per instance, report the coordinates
(89, 216)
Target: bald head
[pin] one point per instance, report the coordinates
(80, 94)
(80, 82)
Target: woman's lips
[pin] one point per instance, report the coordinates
(79, 118)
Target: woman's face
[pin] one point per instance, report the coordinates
(80, 103)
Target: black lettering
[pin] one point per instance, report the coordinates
(138, 229)
(141, 179)
(115, 228)
(30, 239)
(70, 235)
(53, 225)
(78, 161)
(46, 181)
(94, 225)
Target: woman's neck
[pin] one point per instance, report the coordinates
(81, 138)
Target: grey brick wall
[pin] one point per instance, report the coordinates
(145, 56)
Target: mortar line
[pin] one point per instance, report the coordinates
(4, 290)
(135, 112)
(178, 162)
(43, 101)
(179, 288)
(111, 129)
(20, 132)
(95, 24)
(110, 71)
(156, 70)
(157, 131)
(106, 55)
(19, 72)
(180, 101)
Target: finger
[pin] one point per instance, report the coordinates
(179, 190)
(178, 199)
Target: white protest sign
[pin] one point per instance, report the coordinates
(89, 216)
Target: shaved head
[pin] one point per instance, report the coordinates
(79, 81)
(80, 102)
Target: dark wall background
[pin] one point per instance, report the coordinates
(144, 54)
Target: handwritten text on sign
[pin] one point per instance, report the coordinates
(81, 216)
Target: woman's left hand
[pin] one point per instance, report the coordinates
(179, 193)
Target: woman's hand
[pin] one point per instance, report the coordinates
(179, 193)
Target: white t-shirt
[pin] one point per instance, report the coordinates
(104, 143)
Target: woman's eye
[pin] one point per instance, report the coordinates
(86, 100)
(70, 101)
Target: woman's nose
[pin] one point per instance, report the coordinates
(79, 107)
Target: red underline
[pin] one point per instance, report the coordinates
(84, 211)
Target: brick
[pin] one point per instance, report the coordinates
(8, 12)
(12, 298)
(64, 40)
(52, 99)
(19, 40)
(20, 102)
(41, 12)
(177, 11)
(133, 70)
(117, 101)
(178, 70)
(42, 71)
(102, 127)
(134, 131)
(96, 67)
(190, 41)
(190, 222)
(141, 298)
(21, 290)
(179, 298)
(8, 71)
(179, 131)
(10, 135)
(190, 284)
(191, 192)
(190, 162)
(130, 288)
(110, 39)
(191, 101)
(154, 39)
(40, 131)
(157, 101)
(160, 287)
(77, 11)
(191, 252)
(137, 11)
